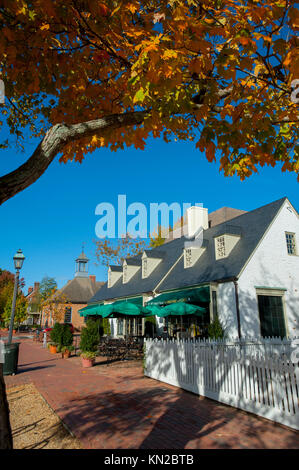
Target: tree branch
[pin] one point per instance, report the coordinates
(56, 137)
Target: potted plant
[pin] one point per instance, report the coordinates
(88, 358)
(55, 336)
(66, 351)
(66, 340)
(52, 348)
(89, 343)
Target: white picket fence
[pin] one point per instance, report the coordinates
(256, 376)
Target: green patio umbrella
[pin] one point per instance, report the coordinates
(124, 308)
(180, 309)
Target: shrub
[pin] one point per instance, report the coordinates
(104, 327)
(67, 336)
(215, 330)
(56, 333)
(90, 337)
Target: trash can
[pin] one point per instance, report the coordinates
(11, 356)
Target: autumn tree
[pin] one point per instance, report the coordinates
(115, 251)
(53, 307)
(6, 289)
(21, 312)
(83, 74)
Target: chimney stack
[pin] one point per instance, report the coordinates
(36, 286)
(196, 217)
(92, 278)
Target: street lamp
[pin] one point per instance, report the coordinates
(18, 262)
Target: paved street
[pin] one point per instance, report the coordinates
(109, 407)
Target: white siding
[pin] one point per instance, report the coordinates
(271, 266)
(227, 308)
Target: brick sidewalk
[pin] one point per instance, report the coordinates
(118, 408)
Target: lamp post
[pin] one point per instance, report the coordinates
(18, 262)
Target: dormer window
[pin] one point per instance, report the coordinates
(220, 247)
(192, 254)
(130, 267)
(226, 240)
(125, 273)
(150, 260)
(144, 267)
(114, 274)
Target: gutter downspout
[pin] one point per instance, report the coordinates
(237, 306)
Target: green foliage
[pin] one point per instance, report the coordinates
(47, 287)
(56, 333)
(104, 327)
(67, 336)
(215, 329)
(150, 326)
(69, 348)
(61, 335)
(20, 311)
(88, 355)
(90, 337)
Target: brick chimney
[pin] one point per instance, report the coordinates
(36, 286)
(30, 289)
(92, 278)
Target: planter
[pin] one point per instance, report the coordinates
(66, 354)
(52, 349)
(87, 362)
(14, 331)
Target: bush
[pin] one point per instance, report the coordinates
(56, 333)
(67, 336)
(215, 330)
(90, 337)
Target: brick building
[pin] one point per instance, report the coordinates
(76, 293)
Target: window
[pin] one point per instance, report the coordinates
(271, 315)
(291, 243)
(120, 326)
(125, 273)
(68, 315)
(144, 267)
(220, 247)
(188, 257)
(214, 303)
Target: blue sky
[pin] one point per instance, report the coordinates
(51, 219)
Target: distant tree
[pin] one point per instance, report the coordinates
(21, 312)
(109, 252)
(47, 287)
(53, 307)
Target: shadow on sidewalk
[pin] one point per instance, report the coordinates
(22, 369)
(169, 419)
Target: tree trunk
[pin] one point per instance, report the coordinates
(5, 429)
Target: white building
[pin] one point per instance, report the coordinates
(243, 268)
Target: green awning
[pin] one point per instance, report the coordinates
(198, 294)
(124, 309)
(176, 309)
(97, 309)
(133, 300)
(93, 309)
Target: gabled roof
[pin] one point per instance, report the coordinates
(251, 225)
(79, 290)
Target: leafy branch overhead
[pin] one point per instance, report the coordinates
(84, 74)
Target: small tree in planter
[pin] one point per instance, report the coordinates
(56, 337)
(89, 343)
(215, 330)
(66, 341)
